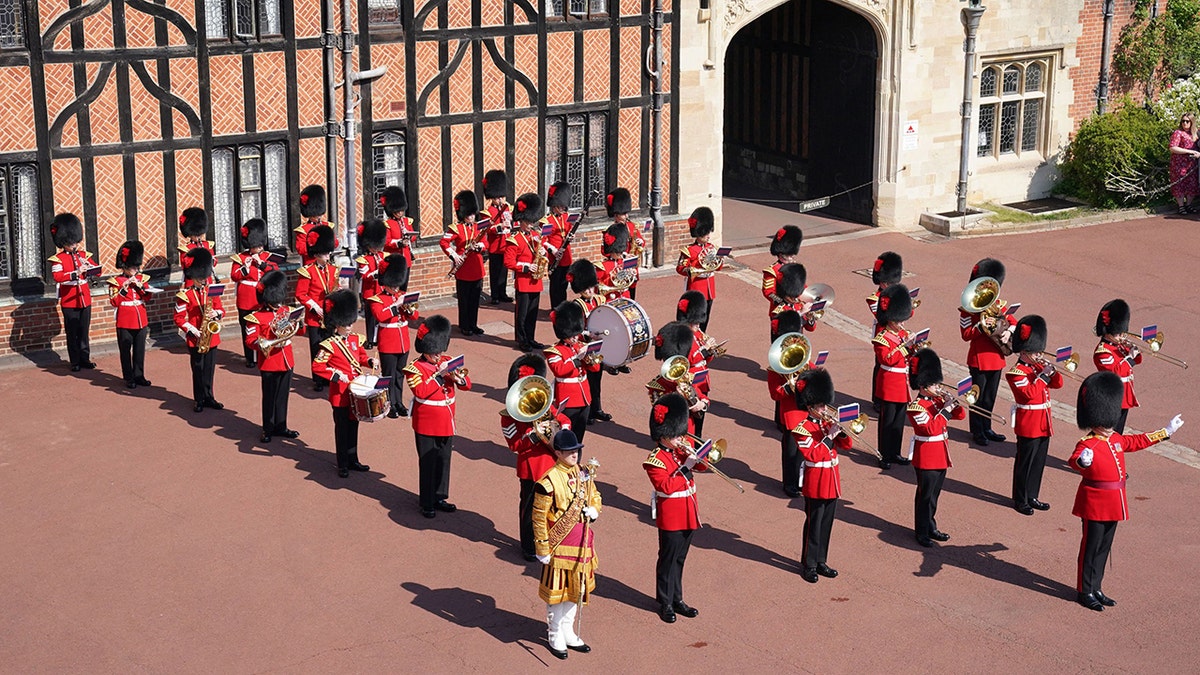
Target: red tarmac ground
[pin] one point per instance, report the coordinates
(140, 536)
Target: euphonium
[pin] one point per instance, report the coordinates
(789, 353)
(677, 369)
(982, 296)
(209, 326)
(528, 400)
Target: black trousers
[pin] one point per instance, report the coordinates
(497, 277)
(579, 418)
(250, 353)
(468, 303)
(875, 394)
(345, 437)
(316, 335)
(891, 429)
(433, 463)
(707, 316)
(558, 286)
(372, 323)
(698, 422)
(791, 459)
(1093, 553)
(390, 365)
(989, 382)
(929, 488)
(1120, 428)
(525, 514)
(525, 319)
(132, 345)
(633, 292)
(77, 323)
(818, 524)
(276, 386)
(594, 387)
(673, 548)
(1028, 468)
(204, 366)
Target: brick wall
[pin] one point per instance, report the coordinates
(1086, 75)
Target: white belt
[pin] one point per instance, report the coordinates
(569, 380)
(1039, 406)
(80, 282)
(441, 402)
(892, 369)
(676, 495)
(1127, 379)
(822, 465)
(929, 439)
(131, 303)
(247, 282)
(390, 325)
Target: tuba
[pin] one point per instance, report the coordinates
(282, 330)
(528, 400)
(210, 325)
(789, 354)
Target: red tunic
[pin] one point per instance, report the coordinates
(130, 301)
(248, 269)
(929, 448)
(1101, 494)
(1116, 360)
(689, 266)
(302, 238)
(636, 243)
(1031, 416)
(189, 313)
(343, 356)
(561, 227)
(368, 271)
(822, 478)
(73, 290)
(699, 361)
(433, 397)
(571, 388)
(534, 459)
(393, 322)
(497, 234)
(781, 392)
(873, 305)
(770, 280)
(399, 237)
(674, 491)
(807, 323)
(983, 353)
(258, 325)
(314, 283)
(457, 238)
(891, 380)
(523, 248)
(188, 245)
(605, 272)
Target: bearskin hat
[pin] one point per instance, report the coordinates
(582, 275)
(372, 235)
(1030, 334)
(341, 308)
(926, 371)
(788, 321)
(692, 308)
(813, 387)
(529, 208)
(618, 201)
(895, 304)
(668, 417)
(272, 289)
(197, 264)
(393, 271)
(988, 267)
(615, 239)
(787, 241)
(321, 240)
(888, 269)
(312, 201)
(193, 222)
(700, 223)
(393, 200)
(433, 336)
(495, 184)
(792, 280)
(568, 320)
(130, 254)
(673, 339)
(254, 233)
(465, 205)
(526, 365)
(559, 194)
(66, 229)
(1098, 403)
(1113, 318)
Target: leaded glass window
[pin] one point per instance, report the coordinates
(242, 20)
(577, 152)
(387, 164)
(253, 186)
(576, 9)
(383, 12)
(12, 25)
(1012, 107)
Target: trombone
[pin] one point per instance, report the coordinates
(853, 429)
(1154, 344)
(947, 392)
(715, 454)
(1069, 366)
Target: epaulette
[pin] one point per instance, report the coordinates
(915, 406)
(511, 240)
(1015, 370)
(183, 249)
(86, 254)
(801, 431)
(300, 229)
(684, 253)
(653, 460)
(182, 295)
(303, 271)
(1100, 348)
(236, 258)
(362, 260)
(411, 369)
(361, 338)
(112, 281)
(251, 318)
(880, 340)
(654, 385)
(874, 297)
(374, 298)
(598, 265)
(326, 344)
(54, 258)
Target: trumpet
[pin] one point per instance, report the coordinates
(814, 294)
(712, 349)
(1068, 367)
(912, 344)
(1155, 344)
(853, 429)
(717, 453)
(948, 393)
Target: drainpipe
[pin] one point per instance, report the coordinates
(970, 20)
(654, 64)
(328, 45)
(1105, 55)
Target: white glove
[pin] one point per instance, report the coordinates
(591, 513)
(1085, 458)
(194, 331)
(699, 406)
(525, 266)
(690, 462)
(1174, 424)
(544, 559)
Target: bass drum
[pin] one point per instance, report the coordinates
(367, 402)
(629, 331)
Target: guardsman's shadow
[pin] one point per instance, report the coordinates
(476, 610)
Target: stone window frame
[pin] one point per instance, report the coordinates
(994, 101)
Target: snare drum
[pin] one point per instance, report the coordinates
(629, 331)
(367, 402)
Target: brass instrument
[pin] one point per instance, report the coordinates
(789, 355)
(982, 296)
(946, 393)
(528, 400)
(853, 429)
(471, 245)
(921, 344)
(282, 329)
(710, 262)
(1068, 367)
(210, 325)
(712, 349)
(622, 279)
(541, 262)
(678, 370)
(1155, 344)
(814, 294)
(720, 448)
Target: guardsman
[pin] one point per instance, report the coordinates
(1031, 379)
(676, 339)
(611, 275)
(1100, 501)
(495, 191)
(433, 388)
(276, 363)
(569, 364)
(338, 360)
(785, 245)
(194, 309)
(247, 270)
(128, 292)
(692, 310)
(312, 210)
(1116, 353)
(793, 279)
(372, 239)
(891, 384)
(523, 254)
(985, 357)
(929, 413)
(401, 230)
(819, 439)
(393, 319)
(317, 279)
(619, 203)
(558, 242)
(696, 260)
(533, 444)
(584, 282)
(71, 268)
(565, 505)
(887, 270)
(787, 414)
(674, 506)
(193, 225)
(463, 244)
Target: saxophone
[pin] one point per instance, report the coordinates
(541, 263)
(209, 325)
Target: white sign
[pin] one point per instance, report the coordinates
(911, 135)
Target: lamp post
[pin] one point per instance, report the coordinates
(970, 16)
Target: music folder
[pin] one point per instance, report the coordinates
(456, 363)
(409, 298)
(383, 383)
(296, 314)
(216, 290)
(277, 258)
(92, 272)
(573, 218)
(724, 251)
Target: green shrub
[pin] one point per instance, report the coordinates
(1129, 144)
